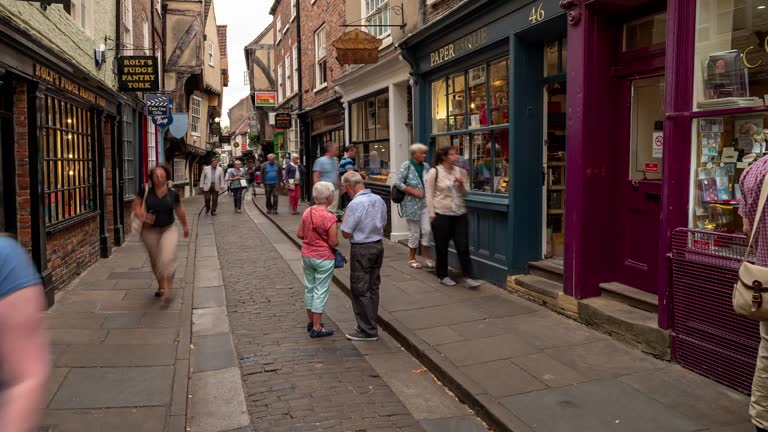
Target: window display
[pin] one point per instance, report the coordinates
(370, 134)
(476, 100)
(731, 58)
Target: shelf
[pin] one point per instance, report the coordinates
(555, 164)
(556, 211)
(556, 188)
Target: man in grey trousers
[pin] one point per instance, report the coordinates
(363, 226)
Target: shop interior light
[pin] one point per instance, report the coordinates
(69, 120)
(762, 7)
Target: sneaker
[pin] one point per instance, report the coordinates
(360, 336)
(447, 281)
(471, 283)
(321, 333)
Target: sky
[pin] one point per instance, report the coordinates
(245, 19)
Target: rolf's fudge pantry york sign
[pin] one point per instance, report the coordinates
(137, 73)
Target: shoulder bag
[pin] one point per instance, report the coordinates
(340, 259)
(397, 195)
(136, 223)
(753, 280)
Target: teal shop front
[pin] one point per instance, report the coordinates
(489, 79)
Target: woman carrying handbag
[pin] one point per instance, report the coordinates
(750, 298)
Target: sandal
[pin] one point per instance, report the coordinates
(309, 326)
(414, 264)
(429, 264)
(159, 293)
(321, 333)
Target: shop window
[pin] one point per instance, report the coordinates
(731, 56)
(500, 92)
(68, 161)
(478, 97)
(196, 114)
(293, 136)
(321, 62)
(151, 145)
(439, 111)
(645, 32)
(646, 128)
(179, 170)
(723, 147)
(370, 134)
(457, 102)
(485, 157)
(555, 57)
(377, 17)
(130, 169)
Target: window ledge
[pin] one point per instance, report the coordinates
(387, 41)
(68, 223)
(197, 134)
(322, 87)
(488, 200)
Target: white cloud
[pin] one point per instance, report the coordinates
(245, 19)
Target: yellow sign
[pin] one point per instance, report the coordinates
(76, 89)
(456, 48)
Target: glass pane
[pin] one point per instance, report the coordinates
(647, 118)
(500, 92)
(551, 54)
(457, 102)
(461, 142)
(731, 61)
(439, 109)
(564, 56)
(358, 118)
(382, 116)
(369, 132)
(482, 162)
(501, 161)
(645, 32)
(478, 97)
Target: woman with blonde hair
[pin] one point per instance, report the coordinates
(320, 237)
(154, 205)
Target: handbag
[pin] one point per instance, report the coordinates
(291, 185)
(396, 194)
(339, 258)
(136, 223)
(753, 279)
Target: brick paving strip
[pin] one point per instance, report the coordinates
(120, 359)
(523, 368)
(292, 382)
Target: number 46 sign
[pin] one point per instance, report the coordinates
(537, 13)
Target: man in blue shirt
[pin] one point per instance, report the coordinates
(271, 178)
(363, 225)
(326, 169)
(346, 165)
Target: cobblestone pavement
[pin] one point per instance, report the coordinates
(292, 382)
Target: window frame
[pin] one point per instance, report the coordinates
(278, 28)
(130, 153)
(145, 33)
(294, 4)
(321, 59)
(288, 77)
(194, 127)
(381, 16)
(182, 172)
(127, 24)
(295, 59)
(84, 20)
(211, 54)
(151, 145)
(280, 88)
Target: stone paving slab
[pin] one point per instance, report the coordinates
(117, 355)
(215, 411)
(114, 388)
(550, 352)
(113, 420)
(453, 424)
(213, 352)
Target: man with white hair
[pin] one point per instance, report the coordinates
(363, 226)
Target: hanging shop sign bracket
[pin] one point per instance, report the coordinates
(45, 3)
(397, 10)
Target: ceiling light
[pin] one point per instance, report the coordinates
(762, 7)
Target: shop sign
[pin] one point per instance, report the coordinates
(282, 120)
(137, 73)
(265, 99)
(157, 105)
(225, 139)
(215, 129)
(468, 43)
(658, 145)
(162, 121)
(651, 167)
(357, 47)
(74, 88)
(178, 126)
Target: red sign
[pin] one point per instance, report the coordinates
(651, 167)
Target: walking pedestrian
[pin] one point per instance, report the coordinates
(272, 180)
(155, 206)
(326, 168)
(319, 234)
(294, 174)
(446, 186)
(235, 178)
(211, 182)
(751, 184)
(24, 352)
(410, 180)
(363, 225)
(346, 165)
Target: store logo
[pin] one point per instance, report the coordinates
(456, 48)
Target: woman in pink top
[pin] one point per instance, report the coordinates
(319, 236)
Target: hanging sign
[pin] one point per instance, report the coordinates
(157, 105)
(163, 121)
(357, 47)
(179, 124)
(282, 120)
(137, 73)
(658, 145)
(264, 99)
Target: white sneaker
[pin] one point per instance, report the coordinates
(471, 283)
(447, 281)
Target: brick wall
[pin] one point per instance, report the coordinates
(108, 192)
(284, 46)
(438, 7)
(140, 10)
(313, 16)
(24, 216)
(72, 251)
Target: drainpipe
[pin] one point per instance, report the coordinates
(298, 55)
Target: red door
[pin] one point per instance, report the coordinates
(641, 188)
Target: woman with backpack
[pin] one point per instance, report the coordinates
(446, 187)
(410, 180)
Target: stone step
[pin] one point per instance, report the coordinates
(631, 296)
(626, 323)
(546, 269)
(541, 286)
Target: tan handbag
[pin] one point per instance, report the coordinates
(136, 223)
(753, 280)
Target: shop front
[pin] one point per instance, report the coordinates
(320, 126)
(490, 81)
